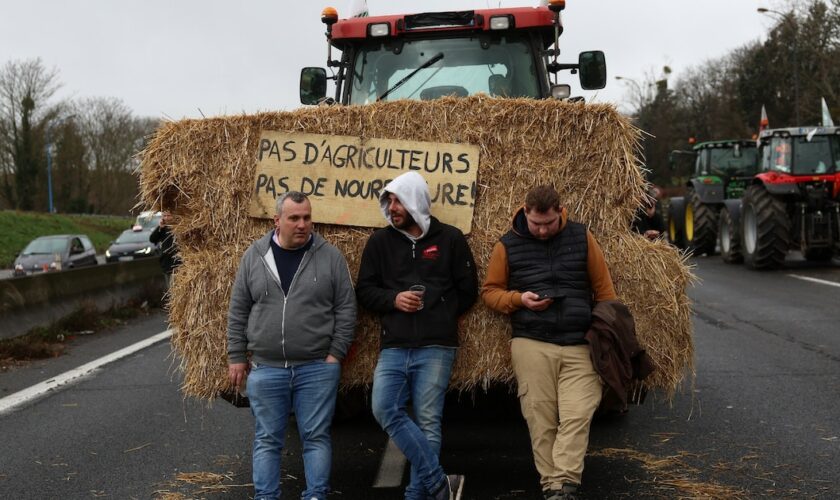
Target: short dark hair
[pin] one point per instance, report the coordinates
(542, 199)
(295, 196)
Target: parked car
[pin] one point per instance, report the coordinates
(54, 253)
(147, 220)
(130, 245)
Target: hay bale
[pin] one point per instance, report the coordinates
(202, 171)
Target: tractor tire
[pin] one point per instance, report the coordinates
(729, 237)
(817, 254)
(676, 218)
(700, 226)
(765, 229)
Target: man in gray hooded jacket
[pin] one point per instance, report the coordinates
(293, 308)
(419, 334)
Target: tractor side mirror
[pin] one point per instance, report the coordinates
(593, 70)
(313, 85)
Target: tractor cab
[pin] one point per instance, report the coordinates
(505, 52)
(729, 163)
(806, 151)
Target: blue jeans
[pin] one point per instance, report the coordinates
(310, 390)
(421, 375)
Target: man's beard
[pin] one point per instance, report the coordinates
(407, 222)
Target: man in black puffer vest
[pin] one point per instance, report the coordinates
(547, 273)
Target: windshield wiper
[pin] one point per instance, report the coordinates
(437, 57)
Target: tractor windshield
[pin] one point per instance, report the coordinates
(501, 67)
(734, 161)
(799, 156)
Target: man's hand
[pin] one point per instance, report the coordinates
(407, 302)
(651, 234)
(533, 302)
(237, 372)
(332, 359)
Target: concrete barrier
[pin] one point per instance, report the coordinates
(41, 299)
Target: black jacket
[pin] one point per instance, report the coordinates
(557, 267)
(169, 258)
(441, 260)
(642, 222)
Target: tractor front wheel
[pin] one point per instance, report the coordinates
(765, 229)
(676, 218)
(729, 237)
(700, 225)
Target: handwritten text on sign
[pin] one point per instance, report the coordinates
(344, 176)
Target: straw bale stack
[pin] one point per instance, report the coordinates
(202, 171)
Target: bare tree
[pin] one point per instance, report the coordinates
(112, 137)
(26, 88)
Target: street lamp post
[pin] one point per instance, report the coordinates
(762, 10)
(630, 80)
(48, 131)
(640, 94)
(49, 170)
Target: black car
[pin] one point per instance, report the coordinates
(54, 253)
(132, 245)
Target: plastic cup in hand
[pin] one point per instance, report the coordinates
(418, 290)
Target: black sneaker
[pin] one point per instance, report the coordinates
(569, 492)
(553, 495)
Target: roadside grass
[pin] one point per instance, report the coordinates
(51, 341)
(19, 228)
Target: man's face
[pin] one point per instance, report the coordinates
(400, 217)
(294, 224)
(543, 225)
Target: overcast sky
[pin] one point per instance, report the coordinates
(175, 57)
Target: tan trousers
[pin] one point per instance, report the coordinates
(559, 392)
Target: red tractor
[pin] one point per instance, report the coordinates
(793, 203)
(502, 52)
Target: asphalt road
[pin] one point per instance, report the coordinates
(759, 420)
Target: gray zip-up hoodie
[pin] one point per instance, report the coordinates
(316, 318)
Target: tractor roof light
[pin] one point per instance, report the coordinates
(379, 29)
(329, 16)
(500, 22)
(556, 5)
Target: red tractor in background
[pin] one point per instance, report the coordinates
(792, 203)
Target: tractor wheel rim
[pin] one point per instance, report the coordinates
(672, 230)
(724, 236)
(689, 222)
(750, 230)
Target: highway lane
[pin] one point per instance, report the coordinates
(760, 420)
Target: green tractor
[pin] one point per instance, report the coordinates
(722, 171)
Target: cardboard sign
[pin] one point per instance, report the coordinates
(344, 176)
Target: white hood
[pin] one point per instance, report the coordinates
(413, 193)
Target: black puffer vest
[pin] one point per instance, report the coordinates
(559, 267)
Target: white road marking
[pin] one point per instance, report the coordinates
(19, 398)
(815, 280)
(391, 469)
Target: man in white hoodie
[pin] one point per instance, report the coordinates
(419, 335)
